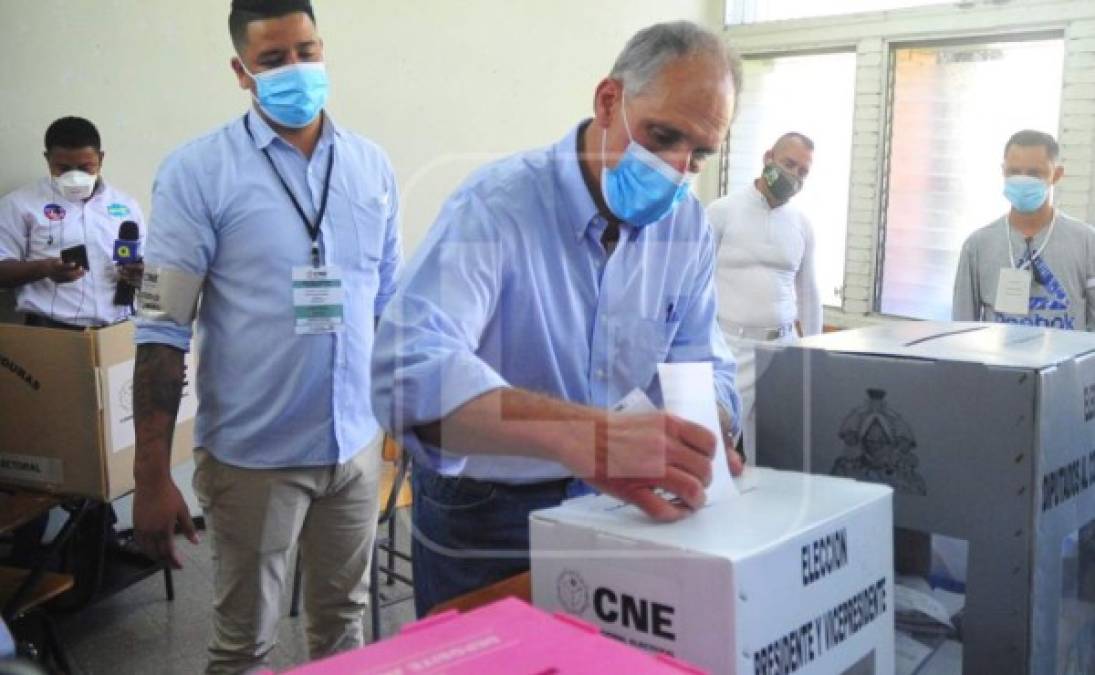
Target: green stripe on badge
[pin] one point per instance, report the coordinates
(318, 312)
(330, 283)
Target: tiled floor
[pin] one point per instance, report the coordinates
(138, 632)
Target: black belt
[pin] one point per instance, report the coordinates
(559, 484)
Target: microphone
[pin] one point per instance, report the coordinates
(127, 250)
(127, 247)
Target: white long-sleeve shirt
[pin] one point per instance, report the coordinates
(765, 263)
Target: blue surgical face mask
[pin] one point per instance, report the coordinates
(292, 95)
(642, 188)
(1026, 193)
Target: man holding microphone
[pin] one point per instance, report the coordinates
(57, 236)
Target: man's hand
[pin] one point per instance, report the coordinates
(632, 457)
(61, 272)
(157, 509)
(637, 455)
(131, 273)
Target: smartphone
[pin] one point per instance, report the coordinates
(76, 254)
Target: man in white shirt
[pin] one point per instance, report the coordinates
(72, 206)
(765, 265)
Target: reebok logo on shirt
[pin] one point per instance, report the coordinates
(1056, 300)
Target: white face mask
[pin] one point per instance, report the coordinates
(75, 185)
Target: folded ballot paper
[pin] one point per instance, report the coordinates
(688, 390)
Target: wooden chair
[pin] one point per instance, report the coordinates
(24, 603)
(394, 494)
(24, 592)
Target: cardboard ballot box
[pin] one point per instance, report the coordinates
(66, 410)
(792, 575)
(987, 434)
(508, 636)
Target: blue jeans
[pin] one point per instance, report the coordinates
(469, 534)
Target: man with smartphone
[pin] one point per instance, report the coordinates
(57, 235)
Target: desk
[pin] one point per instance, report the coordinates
(20, 507)
(519, 587)
(24, 589)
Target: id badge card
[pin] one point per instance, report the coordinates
(1013, 292)
(317, 299)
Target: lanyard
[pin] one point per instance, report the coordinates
(312, 228)
(1036, 254)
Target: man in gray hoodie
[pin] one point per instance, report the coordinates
(1035, 265)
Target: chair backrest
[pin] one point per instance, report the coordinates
(393, 453)
(22, 590)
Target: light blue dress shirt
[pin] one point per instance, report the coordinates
(266, 396)
(512, 288)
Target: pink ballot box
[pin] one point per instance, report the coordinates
(508, 636)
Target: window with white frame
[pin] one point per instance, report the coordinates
(812, 94)
(953, 109)
(759, 11)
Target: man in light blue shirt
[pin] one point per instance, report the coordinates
(286, 227)
(551, 285)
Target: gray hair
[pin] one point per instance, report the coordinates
(649, 50)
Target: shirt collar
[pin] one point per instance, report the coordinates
(580, 209)
(264, 134)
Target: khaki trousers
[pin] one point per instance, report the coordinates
(256, 517)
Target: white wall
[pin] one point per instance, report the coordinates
(443, 85)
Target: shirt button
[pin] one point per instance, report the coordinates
(601, 373)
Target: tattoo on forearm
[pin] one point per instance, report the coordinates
(158, 379)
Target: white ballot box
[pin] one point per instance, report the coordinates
(986, 432)
(792, 575)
